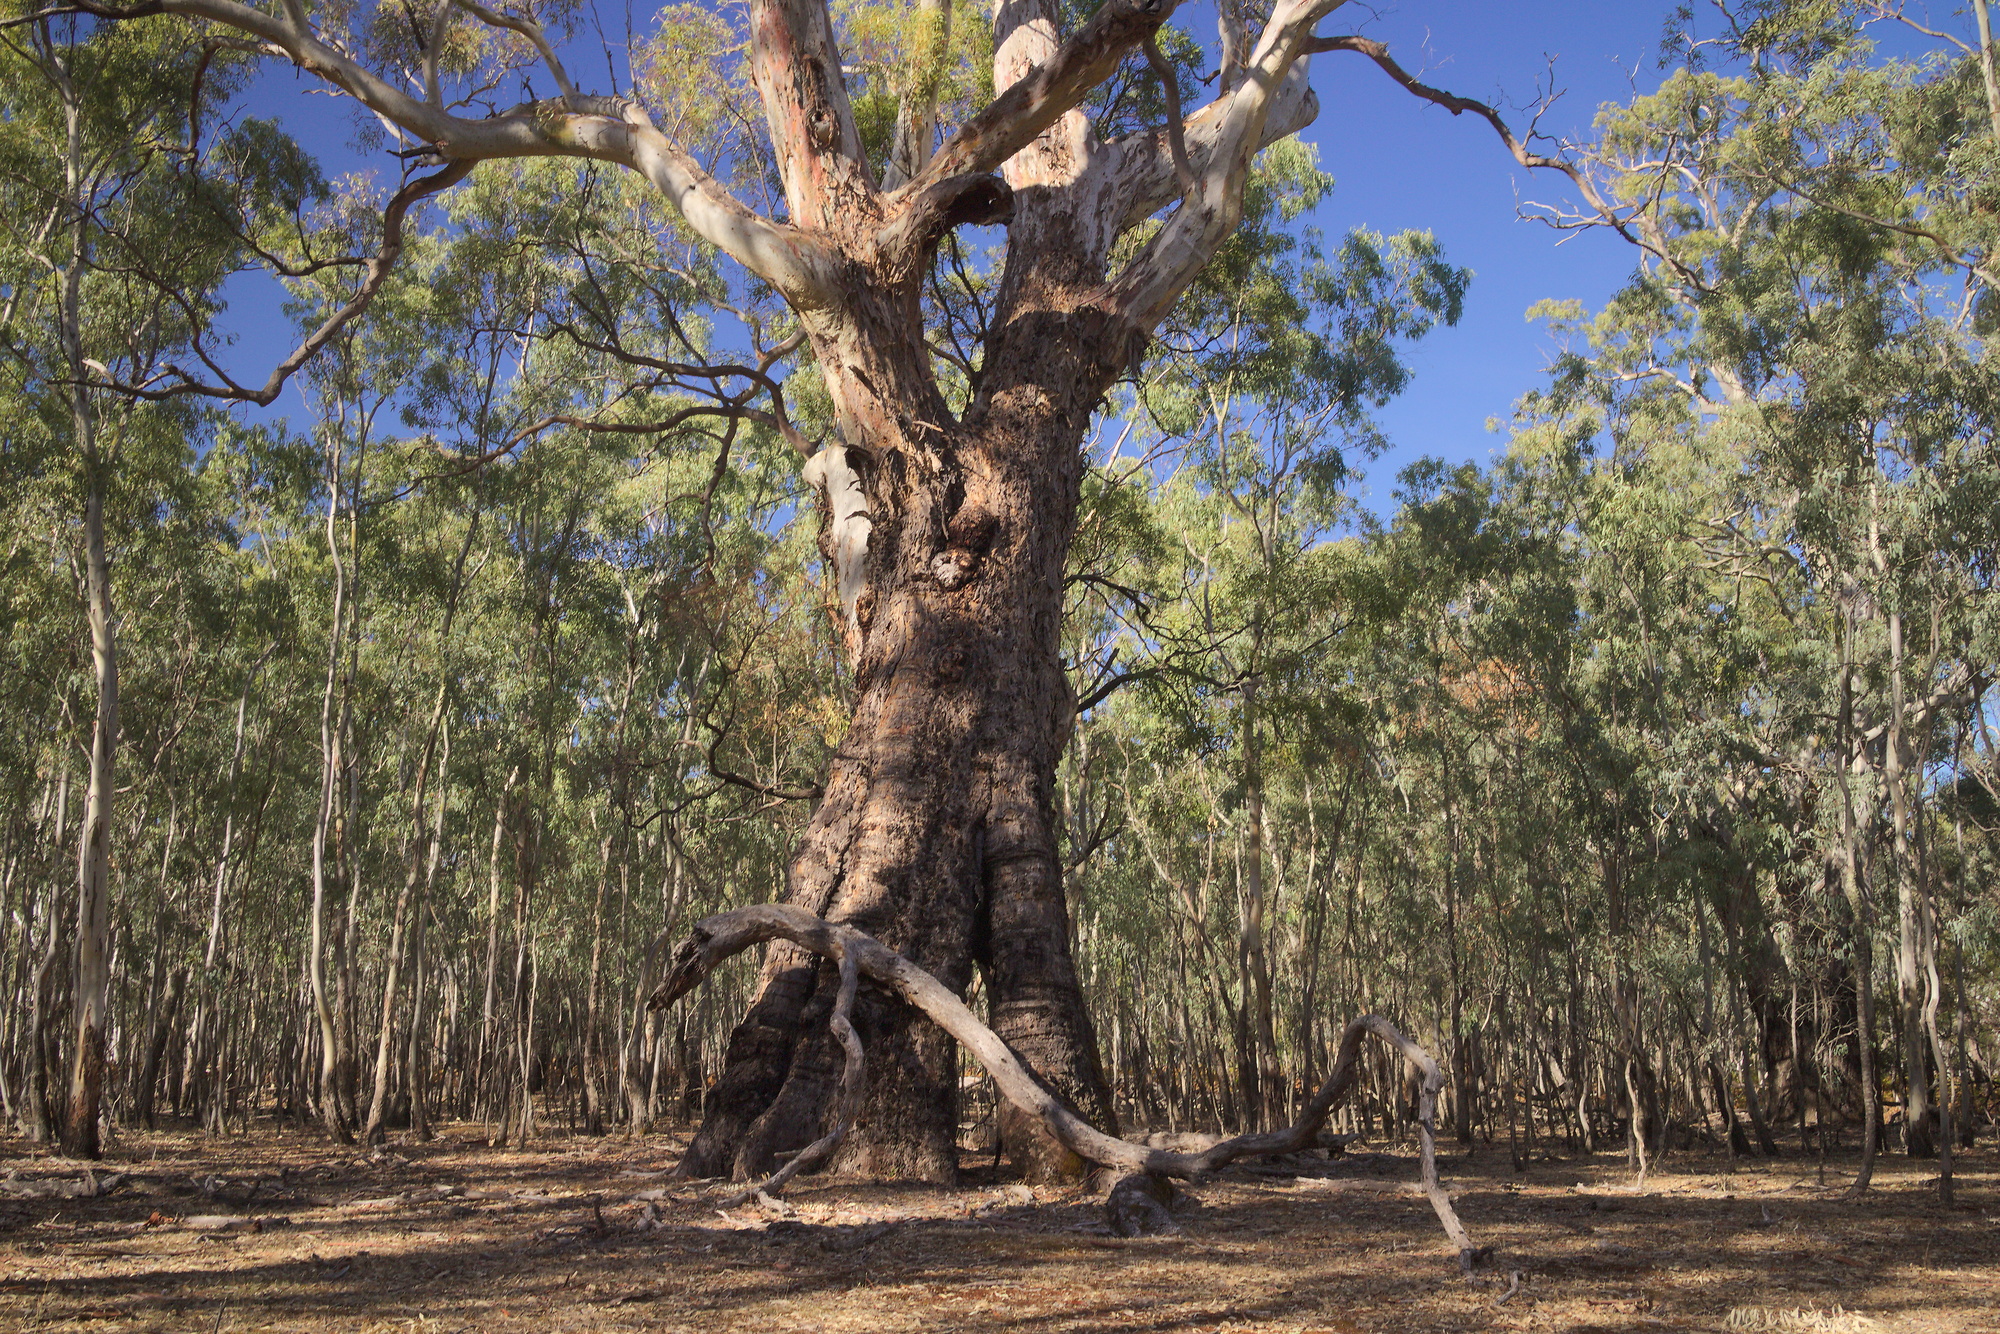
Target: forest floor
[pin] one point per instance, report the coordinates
(280, 1231)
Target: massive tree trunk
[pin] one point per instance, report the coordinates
(937, 833)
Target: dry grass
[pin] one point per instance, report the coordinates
(277, 1231)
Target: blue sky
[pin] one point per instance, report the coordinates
(1398, 163)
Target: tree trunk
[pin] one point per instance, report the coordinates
(489, 1034)
(416, 858)
(949, 536)
(936, 833)
(337, 1126)
(1855, 890)
(592, 1045)
(92, 959)
(38, 1103)
(1911, 947)
(936, 836)
(1267, 1103)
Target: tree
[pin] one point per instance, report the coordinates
(951, 495)
(115, 251)
(1821, 255)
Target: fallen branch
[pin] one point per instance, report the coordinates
(728, 934)
(852, 1083)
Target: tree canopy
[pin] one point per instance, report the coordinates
(673, 524)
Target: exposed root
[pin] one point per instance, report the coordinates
(727, 934)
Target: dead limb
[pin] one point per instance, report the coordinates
(853, 1082)
(728, 934)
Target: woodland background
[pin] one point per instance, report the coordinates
(1651, 769)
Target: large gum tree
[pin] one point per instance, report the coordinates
(948, 530)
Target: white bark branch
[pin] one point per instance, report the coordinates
(1143, 167)
(1015, 118)
(605, 129)
(1154, 280)
(529, 29)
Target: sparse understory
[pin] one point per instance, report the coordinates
(278, 1230)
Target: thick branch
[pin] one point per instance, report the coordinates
(1013, 120)
(725, 935)
(957, 201)
(378, 269)
(1209, 212)
(605, 129)
(795, 63)
(1148, 179)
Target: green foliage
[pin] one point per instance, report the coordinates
(1553, 761)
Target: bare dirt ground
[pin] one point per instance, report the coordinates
(280, 1231)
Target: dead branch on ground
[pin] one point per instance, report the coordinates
(725, 935)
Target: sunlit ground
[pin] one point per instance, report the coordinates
(277, 1231)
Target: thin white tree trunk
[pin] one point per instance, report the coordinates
(1986, 71)
(330, 763)
(91, 960)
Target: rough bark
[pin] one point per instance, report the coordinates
(936, 831)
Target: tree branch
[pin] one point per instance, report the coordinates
(725, 935)
(1148, 178)
(1176, 132)
(813, 793)
(377, 273)
(1013, 120)
(1604, 211)
(853, 1084)
(527, 28)
(615, 130)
